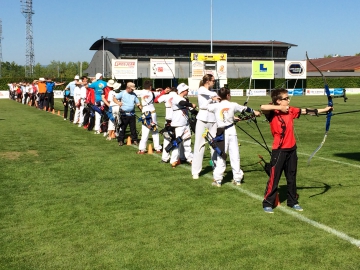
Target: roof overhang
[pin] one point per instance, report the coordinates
(271, 43)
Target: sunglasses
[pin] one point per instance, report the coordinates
(285, 98)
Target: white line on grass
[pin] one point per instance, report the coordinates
(311, 222)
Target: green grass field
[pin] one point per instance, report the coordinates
(69, 199)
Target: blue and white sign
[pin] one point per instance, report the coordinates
(295, 69)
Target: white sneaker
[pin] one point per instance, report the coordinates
(97, 132)
(80, 125)
(105, 134)
(236, 182)
(195, 176)
(216, 183)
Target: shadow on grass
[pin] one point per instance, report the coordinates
(353, 156)
(322, 187)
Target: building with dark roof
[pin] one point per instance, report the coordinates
(239, 54)
(337, 66)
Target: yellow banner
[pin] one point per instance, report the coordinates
(208, 56)
(262, 69)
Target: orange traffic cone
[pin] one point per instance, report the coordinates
(277, 200)
(128, 141)
(150, 150)
(59, 113)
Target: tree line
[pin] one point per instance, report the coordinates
(55, 69)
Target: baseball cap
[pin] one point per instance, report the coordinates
(131, 85)
(97, 76)
(76, 77)
(182, 87)
(41, 79)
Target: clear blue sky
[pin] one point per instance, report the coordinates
(64, 30)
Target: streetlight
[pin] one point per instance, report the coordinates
(211, 30)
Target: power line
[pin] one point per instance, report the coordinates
(27, 11)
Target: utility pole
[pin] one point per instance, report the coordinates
(27, 11)
(103, 56)
(0, 46)
(211, 26)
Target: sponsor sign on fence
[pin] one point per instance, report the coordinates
(4, 94)
(256, 92)
(237, 92)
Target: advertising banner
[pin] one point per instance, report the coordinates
(208, 57)
(256, 92)
(58, 94)
(315, 92)
(262, 70)
(295, 69)
(125, 69)
(221, 69)
(295, 92)
(336, 91)
(162, 68)
(352, 91)
(4, 94)
(237, 92)
(197, 69)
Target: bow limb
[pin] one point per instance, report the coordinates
(248, 95)
(329, 113)
(174, 78)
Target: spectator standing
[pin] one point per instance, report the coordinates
(127, 112)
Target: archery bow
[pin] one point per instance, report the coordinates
(329, 113)
(248, 95)
(174, 78)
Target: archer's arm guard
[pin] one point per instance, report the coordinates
(312, 112)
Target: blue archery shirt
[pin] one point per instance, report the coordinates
(128, 100)
(71, 86)
(98, 87)
(50, 87)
